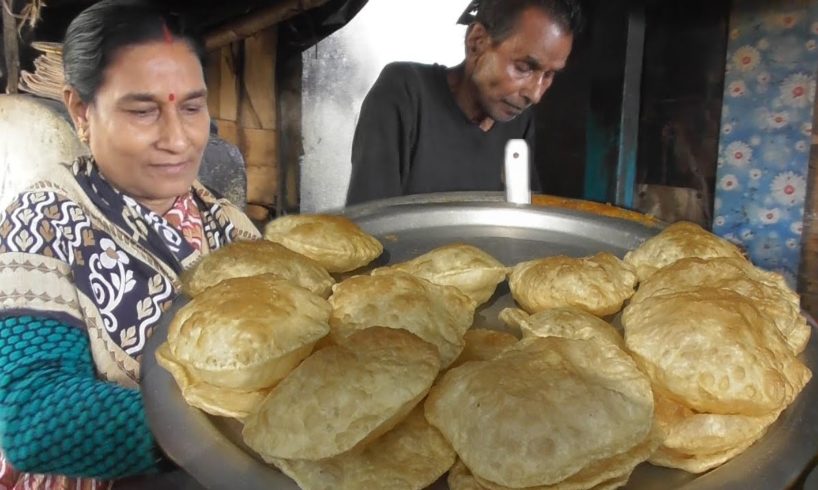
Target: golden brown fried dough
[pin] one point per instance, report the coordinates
(437, 314)
(411, 456)
(469, 269)
(713, 351)
(567, 322)
(678, 241)
(597, 284)
(768, 290)
(223, 402)
(333, 241)
(697, 442)
(247, 333)
(251, 258)
(542, 410)
(343, 396)
(609, 473)
(698, 463)
(460, 478)
(483, 344)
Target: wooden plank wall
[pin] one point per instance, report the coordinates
(242, 98)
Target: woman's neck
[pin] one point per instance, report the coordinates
(158, 206)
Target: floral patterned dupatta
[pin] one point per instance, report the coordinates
(74, 248)
(149, 229)
(81, 251)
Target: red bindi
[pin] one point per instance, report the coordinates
(171, 97)
(167, 34)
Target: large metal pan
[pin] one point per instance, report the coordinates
(210, 448)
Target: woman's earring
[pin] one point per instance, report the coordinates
(82, 133)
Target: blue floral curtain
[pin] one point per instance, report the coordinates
(766, 130)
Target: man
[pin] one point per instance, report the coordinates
(428, 128)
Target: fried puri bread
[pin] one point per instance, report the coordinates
(461, 478)
(335, 242)
(696, 463)
(696, 442)
(598, 284)
(247, 333)
(768, 290)
(214, 400)
(542, 410)
(678, 241)
(483, 344)
(567, 322)
(250, 258)
(343, 396)
(411, 456)
(713, 351)
(466, 267)
(610, 473)
(438, 314)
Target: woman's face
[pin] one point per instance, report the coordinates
(148, 124)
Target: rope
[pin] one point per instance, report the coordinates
(29, 15)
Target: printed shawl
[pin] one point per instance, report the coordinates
(76, 249)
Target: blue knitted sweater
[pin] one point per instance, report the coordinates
(56, 417)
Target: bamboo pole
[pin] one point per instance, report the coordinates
(258, 21)
(808, 280)
(11, 46)
(808, 275)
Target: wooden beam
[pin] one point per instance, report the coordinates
(291, 148)
(229, 83)
(258, 21)
(11, 46)
(259, 81)
(260, 149)
(213, 78)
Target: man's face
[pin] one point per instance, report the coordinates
(512, 75)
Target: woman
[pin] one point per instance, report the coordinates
(90, 258)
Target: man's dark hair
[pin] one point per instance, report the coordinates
(500, 16)
(96, 35)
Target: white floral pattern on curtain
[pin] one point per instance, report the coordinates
(766, 128)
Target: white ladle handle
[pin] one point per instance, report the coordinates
(518, 185)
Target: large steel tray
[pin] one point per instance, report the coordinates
(210, 448)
